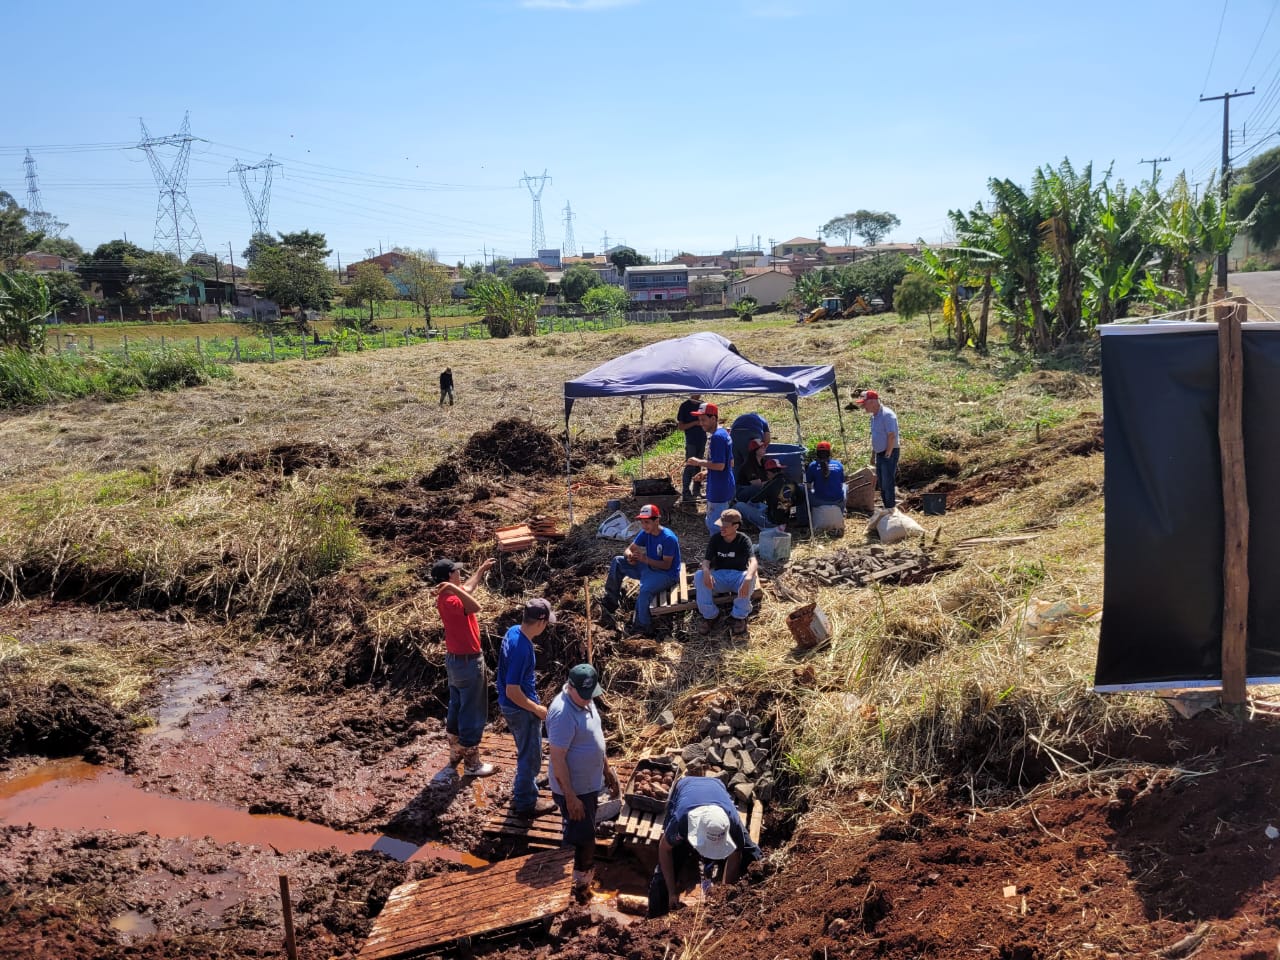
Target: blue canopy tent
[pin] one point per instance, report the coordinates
(705, 363)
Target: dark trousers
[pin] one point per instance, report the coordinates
(886, 474)
(695, 445)
(446, 392)
(579, 834)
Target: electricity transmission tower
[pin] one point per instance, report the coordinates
(37, 218)
(539, 237)
(176, 229)
(569, 246)
(259, 204)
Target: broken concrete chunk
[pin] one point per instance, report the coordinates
(746, 765)
(726, 778)
(715, 714)
(693, 752)
(737, 720)
(764, 790)
(759, 755)
(723, 730)
(742, 793)
(666, 719)
(731, 761)
(703, 727)
(731, 743)
(716, 756)
(736, 779)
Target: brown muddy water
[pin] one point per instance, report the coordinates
(74, 795)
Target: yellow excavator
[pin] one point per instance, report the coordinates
(832, 308)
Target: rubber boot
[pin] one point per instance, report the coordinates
(582, 880)
(473, 766)
(455, 750)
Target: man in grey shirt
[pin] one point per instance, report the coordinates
(579, 769)
(886, 444)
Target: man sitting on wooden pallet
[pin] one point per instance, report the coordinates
(653, 558)
(729, 565)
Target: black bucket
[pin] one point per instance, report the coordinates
(934, 504)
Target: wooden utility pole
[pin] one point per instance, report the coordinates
(1235, 508)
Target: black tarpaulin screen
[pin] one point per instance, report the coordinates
(1162, 603)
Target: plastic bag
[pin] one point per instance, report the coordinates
(893, 525)
(616, 526)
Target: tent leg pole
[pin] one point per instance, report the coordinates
(844, 440)
(568, 467)
(642, 437)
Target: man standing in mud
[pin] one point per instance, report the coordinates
(579, 769)
(518, 700)
(464, 664)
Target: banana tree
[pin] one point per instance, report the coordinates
(1014, 238)
(1068, 202)
(1117, 250)
(25, 304)
(948, 268)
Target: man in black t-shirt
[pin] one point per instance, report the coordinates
(729, 565)
(446, 385)
(695, 444)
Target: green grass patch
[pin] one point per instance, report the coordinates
(33, 379)
(672, 443)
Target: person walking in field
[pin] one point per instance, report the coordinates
(446, 385)
(518, 700)
(579, 769)
(886, 444)
(464, 665)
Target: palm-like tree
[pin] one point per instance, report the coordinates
(1068, 204)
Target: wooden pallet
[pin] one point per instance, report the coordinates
(684, 596)
(432, 913)
(640, 828)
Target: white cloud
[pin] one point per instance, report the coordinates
(575, 4)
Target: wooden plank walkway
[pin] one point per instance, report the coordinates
(431, 913)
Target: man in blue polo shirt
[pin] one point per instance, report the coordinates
(718, 464)
(653, 558)
(886, 444)
(702, 824)
(518, 700)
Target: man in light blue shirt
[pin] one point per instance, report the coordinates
(886, 444)
(579, 769)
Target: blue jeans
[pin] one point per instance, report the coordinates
(725, 580)
(886, 472)
(754, 512)
(527, 731)
(468, 697)
(713, 514)
(651, 581)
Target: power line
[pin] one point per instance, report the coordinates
(259, 203)
(175, 223)
(1204, 83)
(569, 247)
(1261, 33)
(539, 238)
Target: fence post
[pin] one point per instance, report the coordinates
(126, 346)
(162, 346)
(384, 336)
(235, 342)
(121, 307)
(405, 331)
(271, 339)
(304, 348)
(88, 318)
(91, 343)
(199, 352)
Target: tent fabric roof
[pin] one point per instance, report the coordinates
(699, 363)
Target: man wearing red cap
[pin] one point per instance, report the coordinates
(653, 558)
(885, 444)
(718, 464)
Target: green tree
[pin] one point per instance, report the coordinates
(841, 226)
(873, 225)
(370, 284)
(156, 278)
(61, 247)
(306, 243)
(914, 295)
(577, 280)
(15, 238)
(625, 257)
(529, 280)
(1257, 195)
(292, 278)
(257, 243)
(109, 267)
(24, 307)
(427, 281)
(506, 312)
(64, 291)
(606, 299)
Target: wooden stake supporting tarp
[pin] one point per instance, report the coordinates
(1235, 506)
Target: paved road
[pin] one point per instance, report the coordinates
(1262, 288)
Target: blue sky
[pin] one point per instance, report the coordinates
(669, 125)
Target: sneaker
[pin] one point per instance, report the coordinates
(705, 626)
(738, 627)
(541, 808)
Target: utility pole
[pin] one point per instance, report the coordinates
(1226, 162)
(1153, 166)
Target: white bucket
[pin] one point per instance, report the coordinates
(828, 517)
(775, 544)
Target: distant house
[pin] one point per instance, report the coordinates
(769, 287)
(660, 281)
(388, 263)
(36, 262)
(797, 245)
(601, 265)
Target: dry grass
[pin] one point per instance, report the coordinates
(918, 683)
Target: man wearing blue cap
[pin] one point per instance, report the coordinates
(579, 769)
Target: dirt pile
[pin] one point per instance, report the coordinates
(514, 446)
(283, 458)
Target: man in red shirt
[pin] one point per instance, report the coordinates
(464, 664)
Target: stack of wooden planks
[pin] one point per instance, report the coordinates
(515, 538)
(544, 528)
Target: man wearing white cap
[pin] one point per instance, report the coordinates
(703, 826)
(653, 558)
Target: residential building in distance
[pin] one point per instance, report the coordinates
(802, 245)
(36, 262)
(659, 281)
(769, 287)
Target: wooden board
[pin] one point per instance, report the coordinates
(443, 909)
